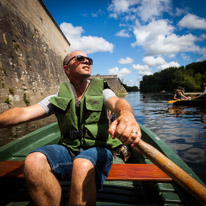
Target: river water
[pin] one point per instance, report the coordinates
(182, 128)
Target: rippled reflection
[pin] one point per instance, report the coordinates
(182, 128)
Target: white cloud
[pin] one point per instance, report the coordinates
(152, 61)
(152, 8)
(157, 38)
(88, 44)
(202, 37)
(192, 22)
(159, 63)
(145, 9)
(180, 11)
(154, 30)
(122, 33)
(203, 58)
(185, 57)
(71, 31)
(120, 72)
(118, 7)
(92, 44)
(142, 73)
(140, 67)
(167, 65)
(203, 50)
(131, 83)
(97, 13)
(127, 60)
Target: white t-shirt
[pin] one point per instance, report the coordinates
(48, 106)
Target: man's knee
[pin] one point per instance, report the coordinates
(81, 164)
(35, 163)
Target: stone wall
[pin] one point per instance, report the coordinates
(114, 83)
(32, 48)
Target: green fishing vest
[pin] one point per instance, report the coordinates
(92, 125)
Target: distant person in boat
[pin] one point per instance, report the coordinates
(183, 92)
(85, 152)
(179, 95)
(203, 95)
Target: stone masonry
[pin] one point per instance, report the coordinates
(114, 83)
(32, 48)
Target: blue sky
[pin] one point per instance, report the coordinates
(133, 38)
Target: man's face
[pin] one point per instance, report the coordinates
(78, 67)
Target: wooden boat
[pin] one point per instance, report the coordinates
(150, 190)
(191, 103)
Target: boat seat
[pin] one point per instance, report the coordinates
(119, 172)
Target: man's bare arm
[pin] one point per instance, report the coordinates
(18, 115)
(125, 127)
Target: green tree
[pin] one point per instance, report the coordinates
(191, 77)
(189, 83)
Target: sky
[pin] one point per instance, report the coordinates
(133, 38)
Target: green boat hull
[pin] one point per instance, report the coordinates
(114, 192)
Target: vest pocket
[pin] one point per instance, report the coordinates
(60, 102)
(94, 103)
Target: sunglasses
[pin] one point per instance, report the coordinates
(80, 58)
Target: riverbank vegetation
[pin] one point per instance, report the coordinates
(131, 89)
(190, 77)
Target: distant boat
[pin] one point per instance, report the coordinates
(151, 190)
(193, 103)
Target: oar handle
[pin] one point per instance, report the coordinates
(174, 171)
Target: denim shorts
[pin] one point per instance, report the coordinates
(60, 161)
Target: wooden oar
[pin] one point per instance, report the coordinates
(174, 171)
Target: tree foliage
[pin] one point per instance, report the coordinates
(190, 77)
(131, 89)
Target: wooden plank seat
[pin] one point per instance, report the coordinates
(137, 172)
(119, 172)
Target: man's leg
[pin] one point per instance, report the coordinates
(83, 184)
(90, 169)
(42, 185)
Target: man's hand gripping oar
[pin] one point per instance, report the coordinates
(127, 130)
